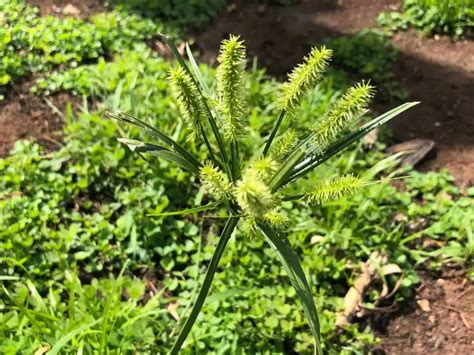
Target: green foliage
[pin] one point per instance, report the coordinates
(369, 52)
(184, 13)
(31, 43)
(432, 16)
(87, 207)
(98, 317)
(370, 55)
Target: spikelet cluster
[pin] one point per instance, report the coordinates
(215, 181)
(277, 219)
(254, 196)
(304, 77)
(187, 97)
(230, 77)
(284, 146)
(348, 108)
(334, 189)
(263, 168)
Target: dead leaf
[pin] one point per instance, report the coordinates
(172, 309)
(43, 349)
(391, 269)
(424, 305)
(71, 10)
(316, 239)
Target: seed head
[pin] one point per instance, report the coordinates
(304, 77)
(334, 189)
(231, 86)
(188, 98)
(254, 196)
(348, 108)
(215, 181)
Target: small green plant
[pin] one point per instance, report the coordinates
(432, 16)
(254, 192)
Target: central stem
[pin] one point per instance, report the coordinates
(211, 271)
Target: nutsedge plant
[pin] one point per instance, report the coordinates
(253, 191)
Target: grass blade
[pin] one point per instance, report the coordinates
(209, 206)
(124, 117)
(295, 272)
(141, 147)
(340, 144)
(69, 336)
(198, 73)
(191, 318)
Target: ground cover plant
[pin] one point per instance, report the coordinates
(84, 267)
(31, 43)
(432, 16)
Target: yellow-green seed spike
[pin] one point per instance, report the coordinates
(215, 181)
(334, 188)
(187, 97)
(263, 168)
(276, 219)
(230, 77)
(284, 146)
(254, 196)
(304, 77)
(348, 108)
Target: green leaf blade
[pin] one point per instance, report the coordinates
(295, 272)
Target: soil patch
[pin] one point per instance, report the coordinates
(76, 8)
(440, 320)
(436, 71)
(24, 115)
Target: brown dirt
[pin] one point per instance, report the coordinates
(445, 326)
(436, 71)
(24, 115)
(55, 7)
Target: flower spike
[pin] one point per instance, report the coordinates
(304, 77)
(188, 98)
(230, 77)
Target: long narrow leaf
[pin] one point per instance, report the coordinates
(340, 144)
(191, 318)
(69, 336)
(209, 206)
(121, 116)
(295, 272)
(198, 73)
(153, 149)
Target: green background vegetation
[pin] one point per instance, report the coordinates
(78, 251)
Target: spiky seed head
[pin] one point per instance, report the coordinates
(263, 168)
(215, 181)
(187, 97)
(254, 196)
(284, 146)
(303, 77)
(249, 225)
(230, 77)
(348, 108)
(276, 219)
(334, 189)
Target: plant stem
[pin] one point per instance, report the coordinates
(274, 133)
(211, 271)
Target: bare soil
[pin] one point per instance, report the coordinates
(24, 115)
(76, 8)
(437, 71)
(439, 321)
